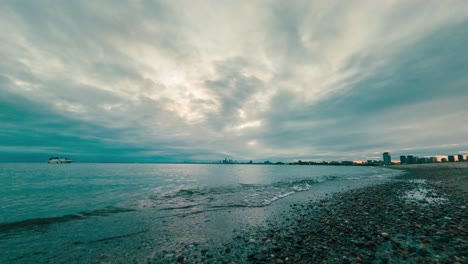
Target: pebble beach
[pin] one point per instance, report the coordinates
(419, 217)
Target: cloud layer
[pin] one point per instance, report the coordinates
(204, 80)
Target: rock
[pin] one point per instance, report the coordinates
(180, 259)
(423, 252)
(251, 257)
(276, 249)
(369, 244)
(385, 235)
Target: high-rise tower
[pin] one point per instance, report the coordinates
(387, 159)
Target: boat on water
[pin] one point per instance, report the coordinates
(59, 160)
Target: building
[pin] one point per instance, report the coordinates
(403, 160)
(460, 157)
(451, 158)
(387, 159)
(416, 159)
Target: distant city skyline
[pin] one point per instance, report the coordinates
(170, 81)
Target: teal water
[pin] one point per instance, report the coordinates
(56, 209)
(50, 190)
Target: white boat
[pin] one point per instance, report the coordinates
(59, 160)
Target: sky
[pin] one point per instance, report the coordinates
(172, 81)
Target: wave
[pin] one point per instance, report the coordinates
(240, 195)
(178, 208)
(108, 210)
(193, 199)
(46, 221)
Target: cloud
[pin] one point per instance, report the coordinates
(173, 81)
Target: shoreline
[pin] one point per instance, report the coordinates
(418, 217)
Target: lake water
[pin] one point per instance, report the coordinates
(78, 212)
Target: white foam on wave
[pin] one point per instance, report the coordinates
(419, 181)
(299, 188)
(269, 201)
(353, 178)
(242, 195)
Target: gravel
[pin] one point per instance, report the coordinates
(404, 220)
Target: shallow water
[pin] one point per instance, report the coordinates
(78, 212)
(423, 193)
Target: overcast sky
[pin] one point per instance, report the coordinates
(207, 80)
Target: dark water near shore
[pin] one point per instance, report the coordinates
(80, 212)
